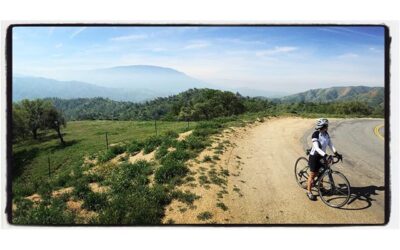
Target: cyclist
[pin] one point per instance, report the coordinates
(318, 158)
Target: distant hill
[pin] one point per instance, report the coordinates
(39, 87)
(134, 83)
(198, 104)
(163, 80)
(371, 95)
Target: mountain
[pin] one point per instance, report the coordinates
(371, 95)
(164, 80)
(39, 87)
(124, 83)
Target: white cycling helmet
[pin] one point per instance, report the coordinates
(322, 122)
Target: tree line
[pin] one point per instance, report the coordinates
(30, 116)
(202, 104)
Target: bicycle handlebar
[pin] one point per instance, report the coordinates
(335, 159)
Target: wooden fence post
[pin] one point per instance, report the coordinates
(106, 140)
(48, 161)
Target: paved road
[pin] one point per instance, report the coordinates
(264, 175)
(363, 164)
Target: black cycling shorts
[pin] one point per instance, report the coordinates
(315, 162)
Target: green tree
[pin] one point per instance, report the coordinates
(53, 119)
(34, 111)
(20, 127)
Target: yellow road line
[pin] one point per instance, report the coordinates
(376, 131)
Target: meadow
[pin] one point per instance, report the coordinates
(83, 138)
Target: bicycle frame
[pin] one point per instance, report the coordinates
(327, 168)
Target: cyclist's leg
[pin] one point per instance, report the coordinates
(314, 166)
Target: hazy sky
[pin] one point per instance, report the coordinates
(287, 59)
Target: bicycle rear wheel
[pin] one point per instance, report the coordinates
(334, 189)
(301, 172)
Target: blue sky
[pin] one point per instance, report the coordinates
(286, 59)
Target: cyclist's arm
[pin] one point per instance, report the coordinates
(331, 146)
(316, 146)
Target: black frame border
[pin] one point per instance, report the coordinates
(9, 63)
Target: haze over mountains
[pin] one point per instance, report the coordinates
(138, 83)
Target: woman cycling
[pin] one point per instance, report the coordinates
(320, 140)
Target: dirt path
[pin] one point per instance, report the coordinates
(264, 177)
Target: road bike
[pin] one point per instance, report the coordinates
(332, 186)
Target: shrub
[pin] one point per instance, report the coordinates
(161, 152)
(93, 177)
(94, 201)
(23, 189)
(129, 175)
(63, 179)
(171, 134)
(45, 189)
(106, 156)
(207, 158)
(81, 189)
(222, 206)
(195, 142)
(139, 206)
(181, 145)
(151, 143)
(186, 197)
(204, 216)
(134, 146)
(52, 213)
(204, 132)
(177, 155)
(117, 149)
(171, 169)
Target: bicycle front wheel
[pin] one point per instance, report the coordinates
(301, 172)
(334, 189)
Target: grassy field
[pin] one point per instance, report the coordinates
(135, 192)
(83, 138)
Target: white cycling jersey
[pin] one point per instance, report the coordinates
(321, 140)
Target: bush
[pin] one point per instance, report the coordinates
(63, 179)
(177, 155)
(23, 189)
(106, 156)
(186, 197)
(171, 134)
(45, 189)
(81, 189)
(161, 152)
(170, 170)
(52, 213)
(195, 143)
(134, 146)
(94, 201)
(151, 143)
(128, 176)
(207, 158)
(205, 132)
(181, 145)
(117, 149)
(138, 206)
(204, 216)
(93, 177)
